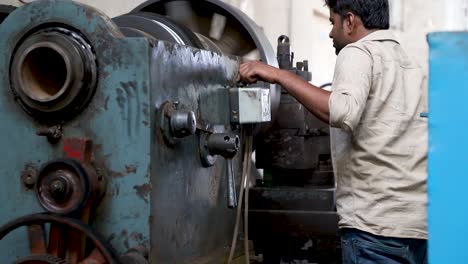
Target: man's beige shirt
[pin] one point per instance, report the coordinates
(380, 150)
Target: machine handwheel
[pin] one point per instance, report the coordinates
(41, 259)
(66, 241)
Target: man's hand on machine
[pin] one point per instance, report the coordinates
(254, 71)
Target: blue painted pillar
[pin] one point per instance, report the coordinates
(448, 146)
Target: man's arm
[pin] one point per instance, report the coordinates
(351, 86)
(312, 97)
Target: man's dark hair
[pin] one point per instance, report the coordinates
(374, 14)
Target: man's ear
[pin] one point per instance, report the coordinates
(349, 23)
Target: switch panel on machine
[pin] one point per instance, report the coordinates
(250, 105)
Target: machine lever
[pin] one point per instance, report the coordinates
(231, 186)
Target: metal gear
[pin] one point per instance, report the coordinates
(41, 259)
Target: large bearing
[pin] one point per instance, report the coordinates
(53, 73)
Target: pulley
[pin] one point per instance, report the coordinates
(63, 186)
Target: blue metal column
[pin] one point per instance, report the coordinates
(118, 120)
(448, 143)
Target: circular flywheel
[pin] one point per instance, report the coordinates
(67, 237)
(41, 259)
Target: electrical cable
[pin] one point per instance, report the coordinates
(246, 207)
(325, 85)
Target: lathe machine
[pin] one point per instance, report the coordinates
(129, 140)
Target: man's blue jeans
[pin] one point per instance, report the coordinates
(363, 248)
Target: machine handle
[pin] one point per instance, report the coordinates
(231, 186)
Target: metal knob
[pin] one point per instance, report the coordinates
(225, 145)
(213, 145)
(183, 124)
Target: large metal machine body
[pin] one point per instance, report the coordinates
(448, 83)
(158, 191)
(146, 105)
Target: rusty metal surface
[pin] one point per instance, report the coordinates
(190, 218)
(36, 236)
(78, 148)
(157, 194)
(117, 120)
(56, 244)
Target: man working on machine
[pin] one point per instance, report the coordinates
(377, 96)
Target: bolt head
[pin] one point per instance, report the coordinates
(58, 188)
(29, 177)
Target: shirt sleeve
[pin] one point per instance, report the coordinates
(350, 89)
